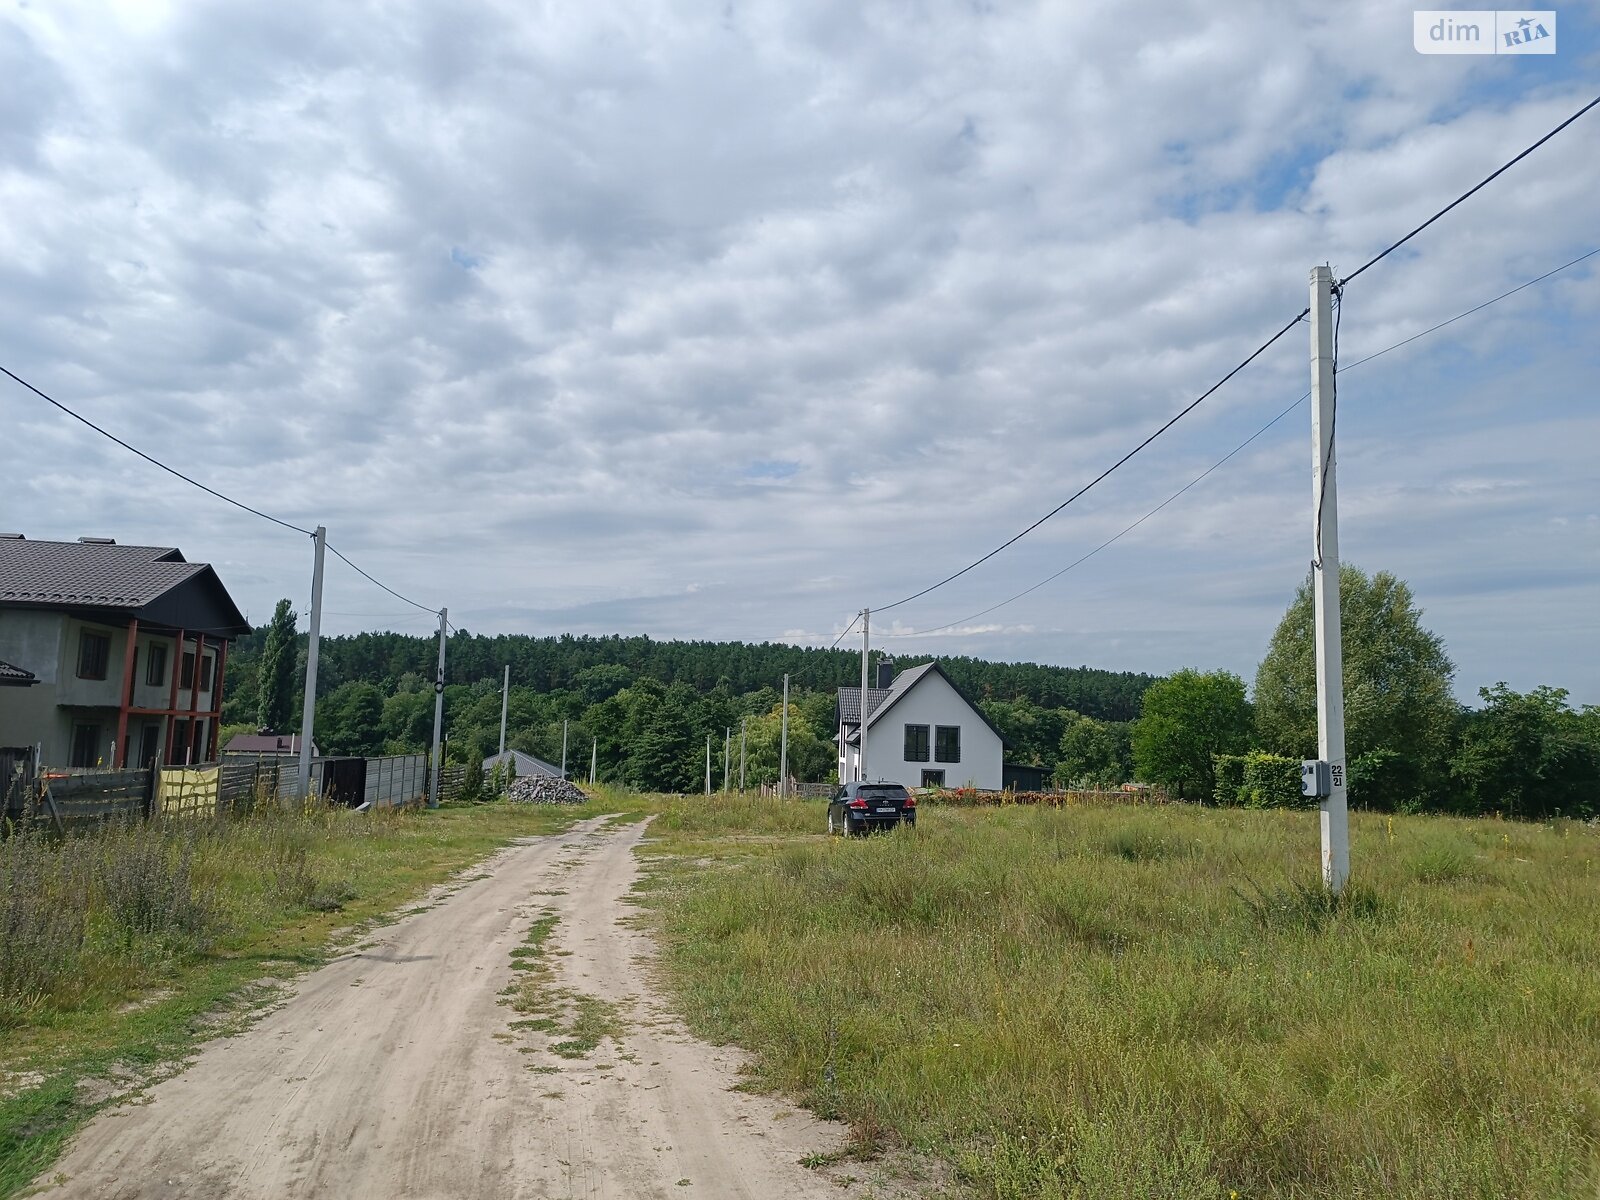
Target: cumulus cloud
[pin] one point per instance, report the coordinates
(723, 323)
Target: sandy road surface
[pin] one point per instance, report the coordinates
(394, 1072)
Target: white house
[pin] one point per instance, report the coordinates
(921, 732)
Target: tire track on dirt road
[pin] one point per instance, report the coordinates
(392, 1071)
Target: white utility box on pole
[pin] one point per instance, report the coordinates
(1325, 585)
(308, 711)
(438, 711)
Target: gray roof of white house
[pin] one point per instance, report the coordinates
(527, 764)
(878, 699)
(881, 700)
(850, 702)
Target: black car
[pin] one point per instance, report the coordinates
(861, 807)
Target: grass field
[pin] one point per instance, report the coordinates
(120, 951)
(1116, 1002)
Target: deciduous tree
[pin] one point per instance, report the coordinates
(1186, 720)
(1397, 696)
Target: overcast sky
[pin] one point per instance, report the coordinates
(725, 320)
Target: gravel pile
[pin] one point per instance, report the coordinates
(543, 789)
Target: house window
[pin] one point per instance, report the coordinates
(187, 678)
(85, 745)
(94, 651)
(932, 778)
(916, 743)
(155, 666)
(947, 743)
(205, 673)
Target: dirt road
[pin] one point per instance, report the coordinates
(395, 1071)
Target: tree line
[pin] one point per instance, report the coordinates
(1409, 745)
(642, 708)
(645, 710)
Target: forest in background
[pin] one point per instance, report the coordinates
(645, 708)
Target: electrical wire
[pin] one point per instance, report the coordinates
(1487, 179)
(846, 632)
(406, 599)
(155, 462)
(1477, 308)
(1502, 169)
(211, 491)
(1259, 350)
(1333, 428)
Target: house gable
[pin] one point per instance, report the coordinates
(923, 696)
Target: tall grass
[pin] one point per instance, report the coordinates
(102, 913)
(1104, 1002)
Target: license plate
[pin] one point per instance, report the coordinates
(890, 811)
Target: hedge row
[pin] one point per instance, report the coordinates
(1259, 780)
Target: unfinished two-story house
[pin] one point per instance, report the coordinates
(126, 646)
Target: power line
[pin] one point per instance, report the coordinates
(1114, 537)
(1487, 179)
(1477, 308)
(152, 461)
(210, 491)
(1259, 350)
(1333, 426)
(407, 599)
(846, 632)
(1197, 402)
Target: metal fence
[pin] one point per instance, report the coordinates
(399, 779)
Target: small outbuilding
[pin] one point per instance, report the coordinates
(526, 764)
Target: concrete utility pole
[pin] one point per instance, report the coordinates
(708, 764)
(308, 709)
(727, 757)
(438, 711)
(505, 695)
(563, 749)
(744, 724)
(1325, 584)
(594, 759)
(783, 752)
(861, 758)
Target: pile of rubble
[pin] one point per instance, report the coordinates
(543, 789)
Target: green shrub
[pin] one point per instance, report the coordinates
(1230, 779)
(1259, 780)
(1273, 781)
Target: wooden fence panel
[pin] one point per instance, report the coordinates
(75, 798)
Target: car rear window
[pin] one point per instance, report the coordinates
(883, 793)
